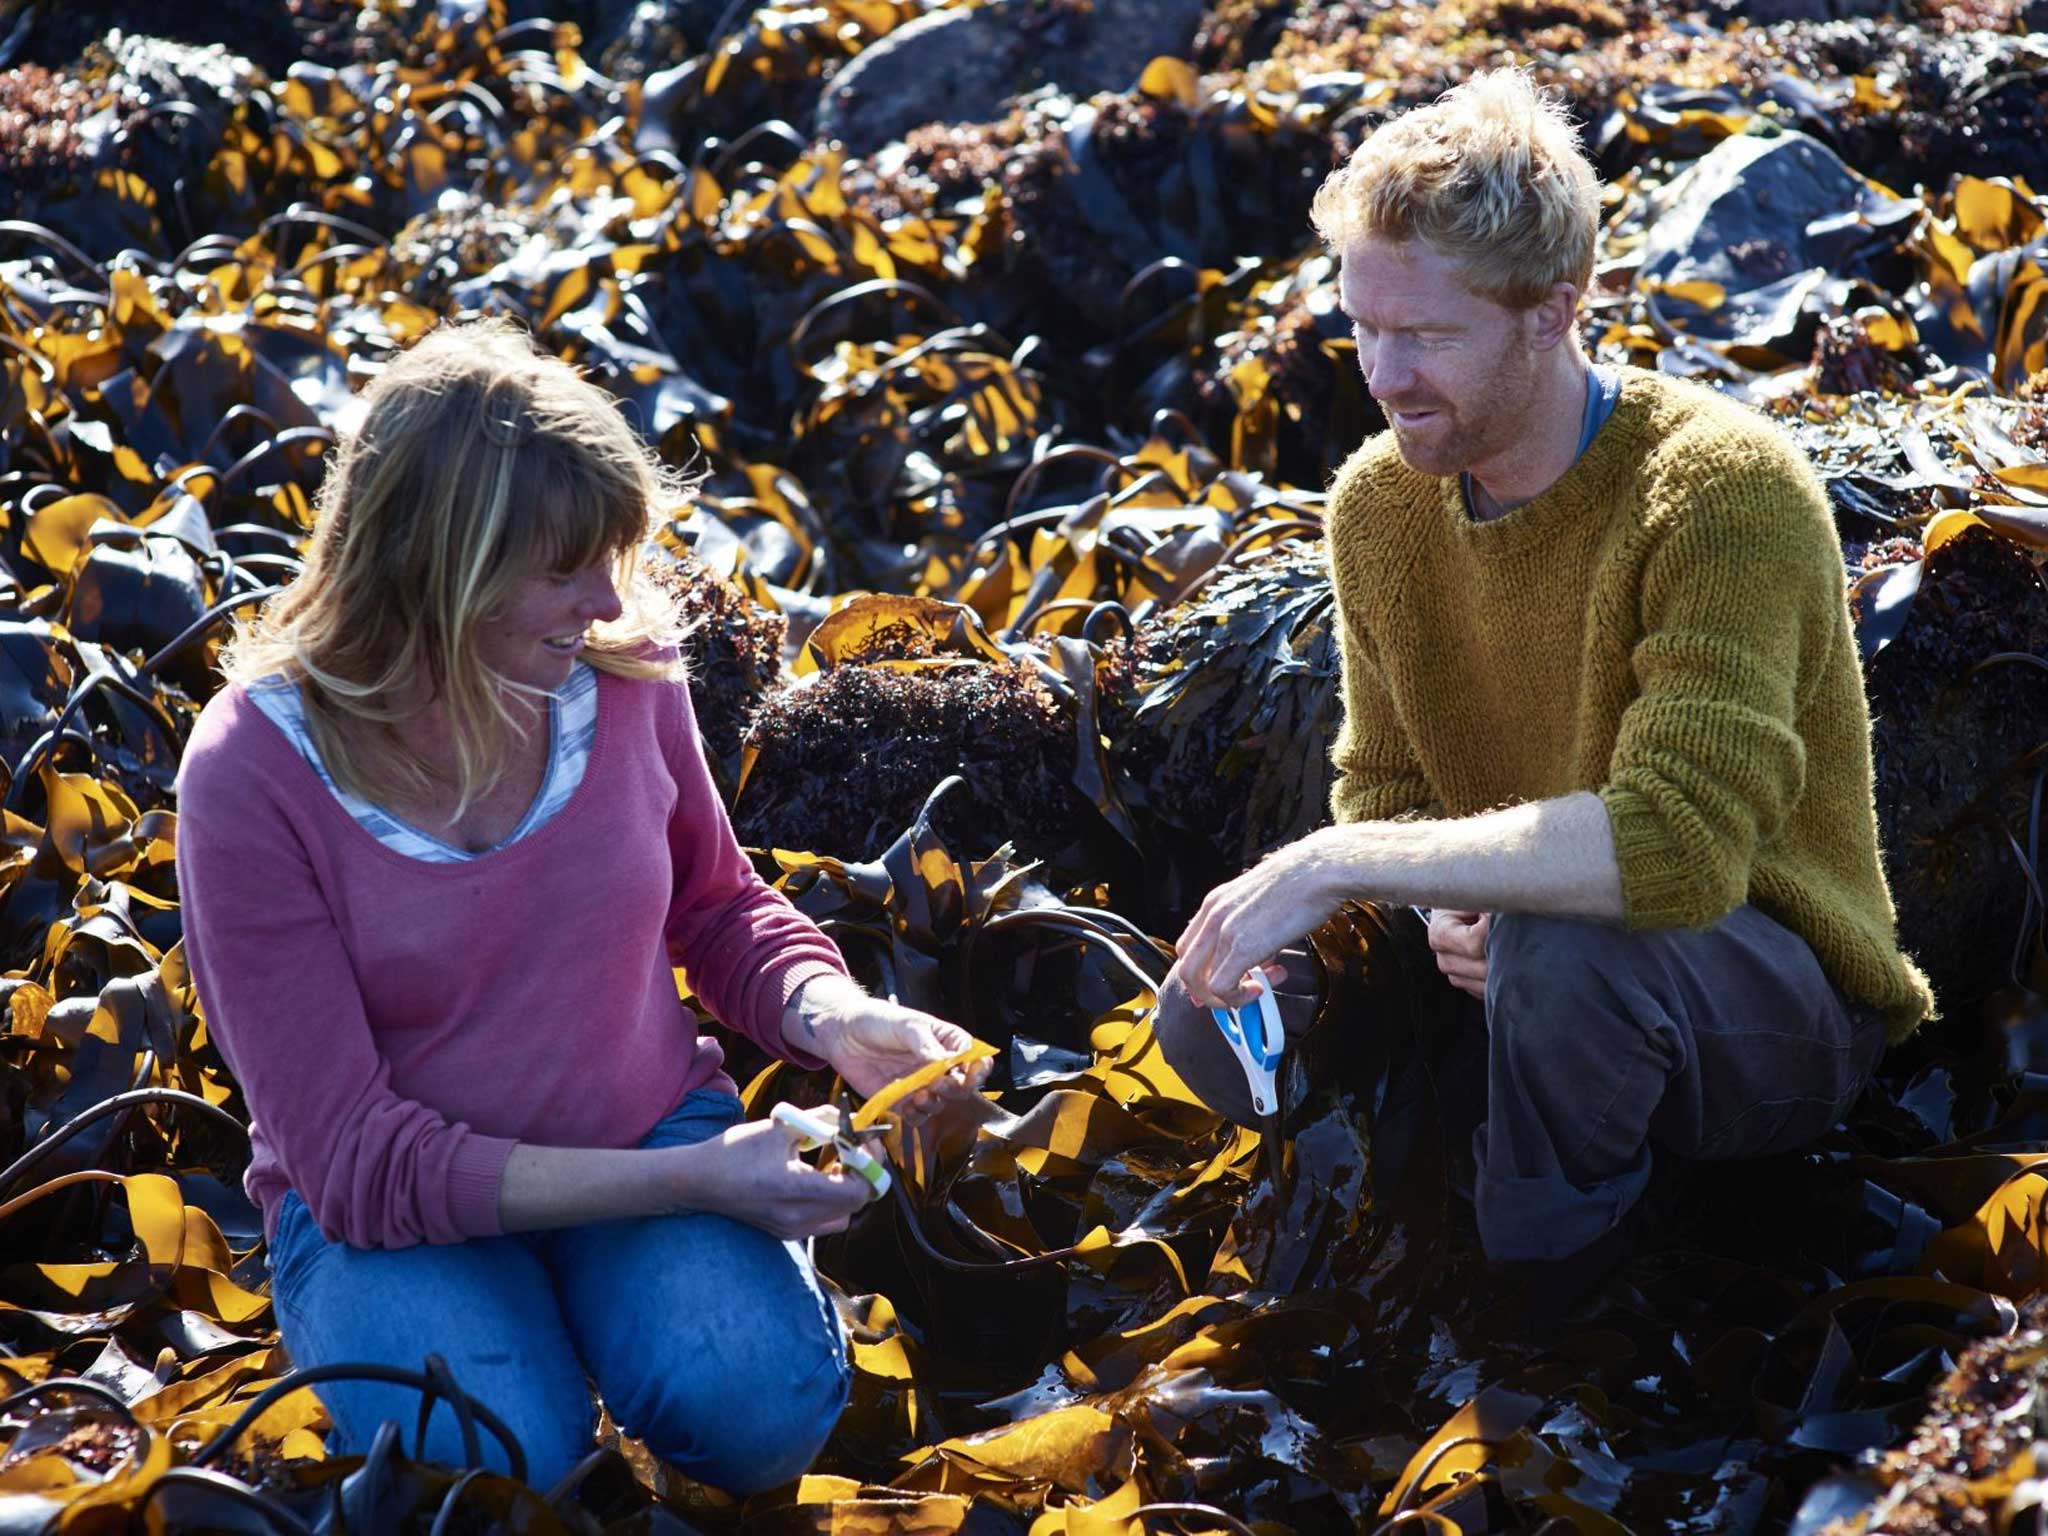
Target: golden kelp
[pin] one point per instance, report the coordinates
(1014, 440)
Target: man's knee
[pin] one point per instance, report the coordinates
(1557, 982)
(1581, 1038)
(1557, 952)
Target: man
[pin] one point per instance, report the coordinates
(1603, 707)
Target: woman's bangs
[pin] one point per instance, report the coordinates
(566, 522)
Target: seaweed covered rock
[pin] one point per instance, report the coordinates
(1963, 102)
(1951, 730)
(1971, 1464)
(966, 66)
(1591, 51)
(1912, 96)
(1220, 739)
(765, 72)
(733, 649)
(1763, 13)
(275, 34)
(662, 33)
(1283, 387)
(1163, 171)
(55, 138)
(1855, 447)
(103, 151)
(844, 756)
(460, 242)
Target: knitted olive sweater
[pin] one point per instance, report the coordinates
(1666, 626)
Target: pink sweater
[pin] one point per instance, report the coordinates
(397, 1025)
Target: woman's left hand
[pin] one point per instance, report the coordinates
(870, 1041)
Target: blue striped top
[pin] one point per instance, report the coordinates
(572, 725)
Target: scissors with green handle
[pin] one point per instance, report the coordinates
(811, 1132)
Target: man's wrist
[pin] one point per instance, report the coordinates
(1340, 871)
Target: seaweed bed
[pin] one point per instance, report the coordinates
(1010, 638)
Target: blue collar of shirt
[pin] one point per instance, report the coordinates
(1603, 389)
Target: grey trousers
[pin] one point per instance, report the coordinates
(1601, 1043)
(1596, 1048)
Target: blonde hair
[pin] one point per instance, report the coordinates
(1491, 174)
(479, 461)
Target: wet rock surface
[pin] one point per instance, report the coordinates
(966, 66)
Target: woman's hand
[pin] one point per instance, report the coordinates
(871, 1042)
(1458, 939)
(753, 1173)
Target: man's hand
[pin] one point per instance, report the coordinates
(1245, 922)
(871, 1041)
(1458, 939)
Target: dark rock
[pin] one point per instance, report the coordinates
(660, 34)
(1944, 743)
(1778, 224)
(1764, 13)
(966, 66)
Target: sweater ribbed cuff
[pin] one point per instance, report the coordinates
(791, 977)
(475, 1175)
(1658, 890)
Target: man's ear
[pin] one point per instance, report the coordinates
(1553, 317)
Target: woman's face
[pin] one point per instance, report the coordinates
(535, 637)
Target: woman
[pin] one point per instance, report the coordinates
(441, 842)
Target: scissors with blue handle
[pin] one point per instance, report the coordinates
(1256, 1038)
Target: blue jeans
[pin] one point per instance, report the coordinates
(707, 1338)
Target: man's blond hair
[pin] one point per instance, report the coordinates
(1491, 173)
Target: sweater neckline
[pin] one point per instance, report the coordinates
(501, 857)
(1585, 483)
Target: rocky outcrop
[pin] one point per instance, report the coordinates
(966, 66)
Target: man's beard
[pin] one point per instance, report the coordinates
(1449, 446)
(1476, 430)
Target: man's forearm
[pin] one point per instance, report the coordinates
(1550, 856)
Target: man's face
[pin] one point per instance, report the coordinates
(1454, 372)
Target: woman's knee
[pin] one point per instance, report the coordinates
(553, 1424)
(750, 1375)
(555, 1432)
(795, 1388)
(485, 1307)
(773, 1437)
